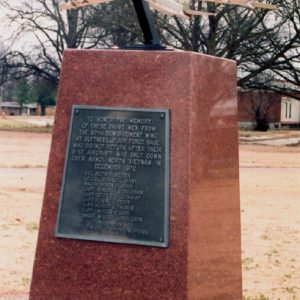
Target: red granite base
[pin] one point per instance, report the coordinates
(203, 260)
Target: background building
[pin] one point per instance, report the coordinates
(265, 109)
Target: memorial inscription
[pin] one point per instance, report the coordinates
(116, 177)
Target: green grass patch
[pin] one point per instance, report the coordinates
(247, 261)
(260, 297)
(264, 237)
(295, 145)
(25, 281)
(291, 290)
(13, 125)
(282, 133)
(31, 227)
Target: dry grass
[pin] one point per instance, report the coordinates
(15, 125)
(275, 133)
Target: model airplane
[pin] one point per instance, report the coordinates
(179, 8)
(168, 7)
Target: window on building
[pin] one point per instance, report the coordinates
(286, 110)
(290, 110)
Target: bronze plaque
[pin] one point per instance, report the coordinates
(116, 178)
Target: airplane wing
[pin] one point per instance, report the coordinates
(168, 7)
(80, 3)
(191, 12)
(176, 8)
(245, 3)
(263, 5)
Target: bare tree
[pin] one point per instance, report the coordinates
(22, 93)
(264, 44)
(44, 93)
(53, 30)
(261, 42)
(263, 107)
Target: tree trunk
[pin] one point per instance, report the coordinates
(43, 110)
(21, 108)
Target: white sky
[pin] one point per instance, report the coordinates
(3, 23)
(7, 31)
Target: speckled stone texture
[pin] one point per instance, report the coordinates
(203, 260)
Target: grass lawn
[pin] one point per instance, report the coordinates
(273, 133)
(15, 125)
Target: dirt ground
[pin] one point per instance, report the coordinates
(270, 210)
(270, 207)
(23, 163)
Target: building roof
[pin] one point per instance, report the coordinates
(13, 104)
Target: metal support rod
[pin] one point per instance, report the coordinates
(147, 24)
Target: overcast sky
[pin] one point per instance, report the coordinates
(7, 31)
(3, 23)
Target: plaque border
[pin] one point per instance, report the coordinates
(165, 242)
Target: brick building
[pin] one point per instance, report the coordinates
(267, 107)
(12, 108)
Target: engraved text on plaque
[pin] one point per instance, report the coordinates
(116, 177)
